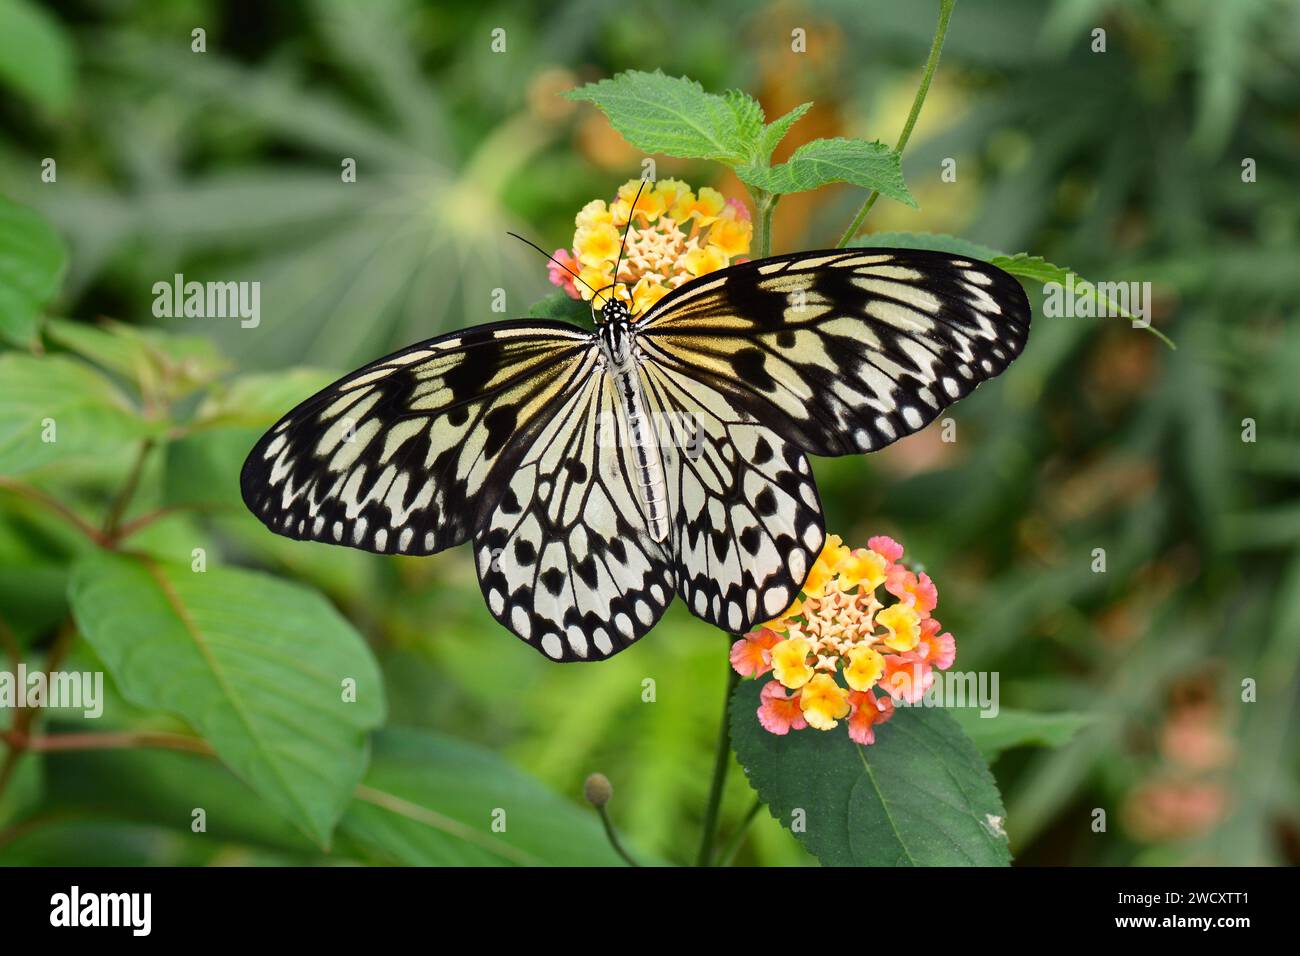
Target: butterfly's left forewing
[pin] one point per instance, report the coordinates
(843, 351)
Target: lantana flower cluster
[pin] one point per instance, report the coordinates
(861, 636)
(676, 235)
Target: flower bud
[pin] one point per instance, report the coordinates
(597, 789)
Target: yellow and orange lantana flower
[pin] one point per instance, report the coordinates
(676, 234)
(840, 643)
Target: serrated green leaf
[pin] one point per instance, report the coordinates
(674, 116)
(869, 165)
(921, 795)
(429, 800)
(748, 115)
(1018, 728)
(775, 131)
(54, 408)
(1037, 269)
(256, 665)
(32, 261)
(35, 55)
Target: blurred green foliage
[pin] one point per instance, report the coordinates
(1127, 164)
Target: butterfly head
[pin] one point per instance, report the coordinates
(614, 328)
(614, 310)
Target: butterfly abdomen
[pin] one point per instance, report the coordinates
(645, 452)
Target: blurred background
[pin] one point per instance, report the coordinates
(1124, 165)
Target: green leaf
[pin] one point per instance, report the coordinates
(776, 130)
(1037, 269)
(157, 363)
(429, 800)
(162, 788)
(822, 161)
(1021, 265)
(256, 665)
(935, 241)
(35, 55)
(55, 408)
(921, 795)
(674, 116)
(89, 842)
(1018, 728)
(260, 399)
(32, 261)
(559, 306)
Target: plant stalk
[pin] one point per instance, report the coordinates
(721, 761)
(118, 509)
(729, 851)
(931, 64)
(613, 837)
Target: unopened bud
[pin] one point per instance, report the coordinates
(597, 789)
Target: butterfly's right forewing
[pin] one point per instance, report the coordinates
(404, 455)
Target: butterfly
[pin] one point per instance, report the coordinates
(598, 473)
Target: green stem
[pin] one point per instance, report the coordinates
(114, 520)
(15, 739)
(54, 505)
(764, 204)
(733, 845)
(931, 64)
(9, 640)
(721, 761)
(613, 837)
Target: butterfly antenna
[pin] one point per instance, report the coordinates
(553, 259)
(626, 229)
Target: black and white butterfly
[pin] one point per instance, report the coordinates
(598, 473)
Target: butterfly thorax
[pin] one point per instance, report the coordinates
(616, 340)
(618, 348)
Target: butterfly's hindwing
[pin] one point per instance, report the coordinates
(400, 456)
(747, 522)
(843, 351)
(564, 558)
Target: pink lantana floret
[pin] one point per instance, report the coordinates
(751, 656)
(561, 272)
(779, 712)
(939, 650)
(907, 676)
(868, 710)
(886, 547)
(916, 590)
